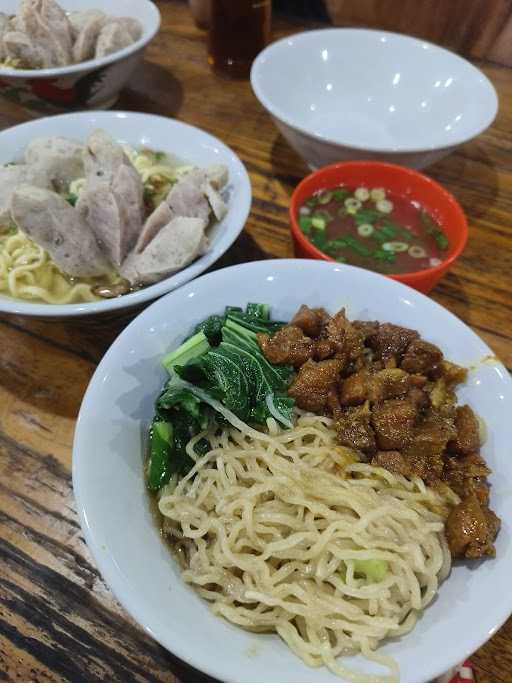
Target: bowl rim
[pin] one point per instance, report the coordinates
(258, 89)
(112, 573)
(9, 305)
(148, 34)
(409, 278)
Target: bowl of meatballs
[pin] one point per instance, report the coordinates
(71, 54)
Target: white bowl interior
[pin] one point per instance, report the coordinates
(116, 514)
(189, 144)
(143, 10)
(373, 90)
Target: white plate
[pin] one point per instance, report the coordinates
(114, 507)
(189, 144)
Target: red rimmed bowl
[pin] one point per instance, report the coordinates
(406, 183)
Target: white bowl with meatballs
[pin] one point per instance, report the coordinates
(103, 211)
(60, 55)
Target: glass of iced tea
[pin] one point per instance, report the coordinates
(239, 30)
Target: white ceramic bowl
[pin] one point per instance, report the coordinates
(187, 143)
(338, 94)
(115, 511)
(93, 84)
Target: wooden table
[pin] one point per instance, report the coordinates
(58, 619)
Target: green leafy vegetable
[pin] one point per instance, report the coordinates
(72, 198)
(192, 348)
(258, 311)
(220, 362)
(212, 329)
(236, 373)
(161, 443)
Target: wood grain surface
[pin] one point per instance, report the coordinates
(475, 28)
(58, 619)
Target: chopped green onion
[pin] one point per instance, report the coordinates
(384, 206)
(373, 571)
(380, 236)
(319, 240)
(416, 252)
(396, 230)
(367, 216)
(311, 202)
(387, 256)
(318, 222)
(441, 240)
(428, 221)
(395, 247)
(305, 223)
(356, 246)
(72, 198)
(365, 230)
(325, 197)
(434, 230)
(304, 211)
(352, 205)
(377, 194)
(389, 230)
(362, 194)
(338, 243)
(340, 195)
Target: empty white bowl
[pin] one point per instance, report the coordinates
(338, 94)
(93, 84)
(186, 143)
(118, 520)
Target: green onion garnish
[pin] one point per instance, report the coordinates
(318, 222)
(305, 223)
(386, 256)
(356, 246)
(340, 195)
(441, 240)
(325, 197)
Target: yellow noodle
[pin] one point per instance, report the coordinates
(274, 524)
(27, 272)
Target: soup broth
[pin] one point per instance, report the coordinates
(373, 229)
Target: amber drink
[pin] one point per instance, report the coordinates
(239, 29)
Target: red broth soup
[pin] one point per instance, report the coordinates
(373, 229)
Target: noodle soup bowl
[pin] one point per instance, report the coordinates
(118, 518)
(186, 144)
(92, 84)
